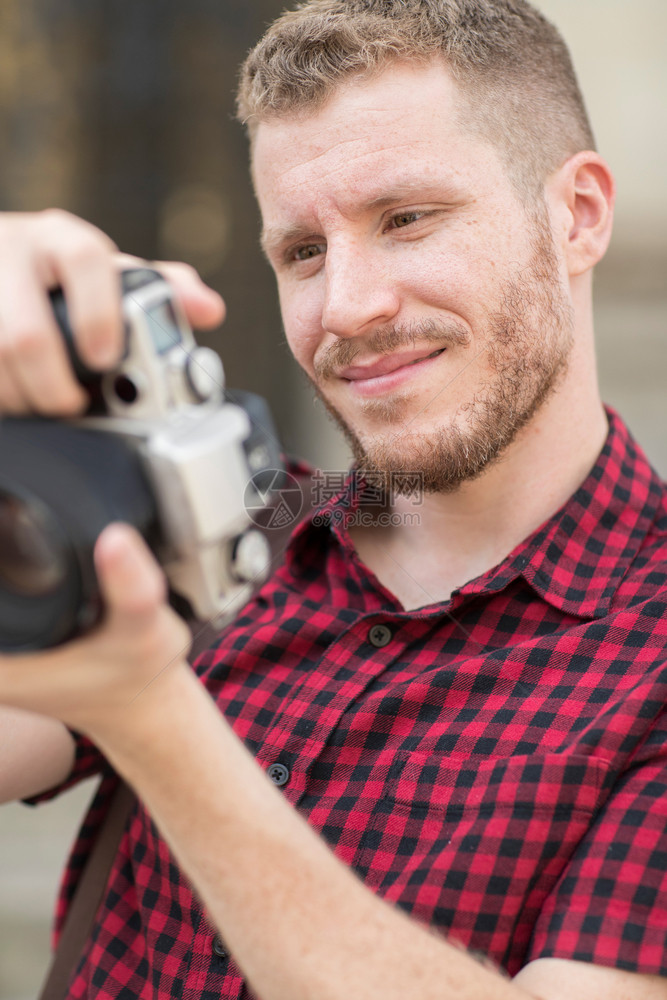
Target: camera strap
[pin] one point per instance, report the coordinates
(88, 894)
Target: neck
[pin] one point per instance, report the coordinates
(463, 534)
(544, 466)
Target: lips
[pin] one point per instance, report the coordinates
(385, 366)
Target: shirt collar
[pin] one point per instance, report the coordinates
(578, 558)
(575, 560)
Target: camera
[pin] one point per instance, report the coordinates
(164, 447)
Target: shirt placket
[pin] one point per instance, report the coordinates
(317, 705)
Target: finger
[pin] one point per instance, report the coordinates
(83, 263)
(37, 375)
(203, 306)
(38, 252)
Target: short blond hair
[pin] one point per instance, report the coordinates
(512, 68)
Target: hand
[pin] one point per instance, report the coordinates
(95, 682)
(41, 250)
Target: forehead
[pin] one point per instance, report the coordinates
(399, 129)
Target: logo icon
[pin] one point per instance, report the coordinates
(273, 499)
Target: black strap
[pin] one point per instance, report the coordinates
(88, 896)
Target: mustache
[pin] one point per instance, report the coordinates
(387, 339)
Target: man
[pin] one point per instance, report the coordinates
(468, 711)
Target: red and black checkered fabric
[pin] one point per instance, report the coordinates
(495, 765)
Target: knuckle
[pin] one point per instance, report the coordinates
(100, 323)
(65, 401)
(26, 342)
(177, 268)
(55, 216)
(86, 246)
(77, 239)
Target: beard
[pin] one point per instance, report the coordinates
(528, 342)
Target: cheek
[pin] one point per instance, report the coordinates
(457, 259)
(446, 280)
(303, 328)
(465, 276)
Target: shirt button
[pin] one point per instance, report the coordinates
(279, 774)
(219, 947)
(379, 636)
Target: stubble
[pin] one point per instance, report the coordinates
(526, 352)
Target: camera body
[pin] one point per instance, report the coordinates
(163, 447)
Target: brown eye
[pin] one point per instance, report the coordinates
(404, 219)
(305, 253)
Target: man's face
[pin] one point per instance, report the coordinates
(420, 296)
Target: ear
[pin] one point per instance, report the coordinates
(582, 194)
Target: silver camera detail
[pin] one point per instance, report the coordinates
(166, 398)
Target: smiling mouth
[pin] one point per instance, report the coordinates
(407, 364)
(385, 368)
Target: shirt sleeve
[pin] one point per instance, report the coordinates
(610, 905)
(88, 761)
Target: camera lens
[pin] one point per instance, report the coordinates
(32, 561)
(60, 486)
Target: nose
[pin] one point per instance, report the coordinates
(359, 293)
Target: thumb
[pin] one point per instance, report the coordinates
(132, 584)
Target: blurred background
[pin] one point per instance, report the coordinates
(122, 113)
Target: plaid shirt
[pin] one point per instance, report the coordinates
(494, 764)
